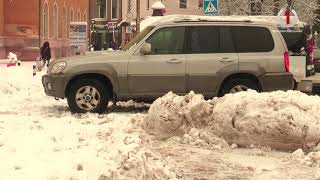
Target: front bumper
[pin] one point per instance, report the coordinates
(54, 85)
(277, 81)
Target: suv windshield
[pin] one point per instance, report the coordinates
(138, 38)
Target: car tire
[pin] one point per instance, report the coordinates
(88, 95)
(237, 85)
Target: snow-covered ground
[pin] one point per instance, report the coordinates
(177, 138)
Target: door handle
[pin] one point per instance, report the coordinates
(174, 61)
(226, 59)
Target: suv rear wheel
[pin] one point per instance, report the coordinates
(88, 95)
(236, 85)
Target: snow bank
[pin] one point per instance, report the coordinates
(41, 139)
(85, 147)
(201, 138)
(280, 120)
(13, 79)
(312, 159)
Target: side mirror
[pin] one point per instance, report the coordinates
(145, 49)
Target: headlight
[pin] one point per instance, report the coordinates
(58, 67)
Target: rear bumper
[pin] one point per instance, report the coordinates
(310, 85)
(277, 81)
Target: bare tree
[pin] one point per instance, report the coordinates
(276, 7)
(317, 17)
(306, 9)
(256, 7)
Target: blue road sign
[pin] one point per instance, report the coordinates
(210, 7)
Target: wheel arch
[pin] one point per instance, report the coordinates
(101, 77)
(239, 75)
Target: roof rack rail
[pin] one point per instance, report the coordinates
(211, 20)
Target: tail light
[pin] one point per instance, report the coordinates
(286, 61)
(311, 50)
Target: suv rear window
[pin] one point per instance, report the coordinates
(252, 39)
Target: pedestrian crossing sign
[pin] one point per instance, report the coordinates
(210, 7)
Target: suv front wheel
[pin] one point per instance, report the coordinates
(88, 95)
(236, 85)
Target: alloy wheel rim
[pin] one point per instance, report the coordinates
(88, 98)
(238, 88)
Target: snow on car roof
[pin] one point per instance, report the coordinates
(152, 20)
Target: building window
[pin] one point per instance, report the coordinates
(71, 15)
(46, 20)
(102, 6)
(64, 22)
(78, 16)
(55, 20)
(115, 9)
(183, 4)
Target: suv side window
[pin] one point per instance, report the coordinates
(211, 39)
(253, 39)
(167, 41)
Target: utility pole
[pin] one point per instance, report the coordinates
(99, 9)
(138, 16)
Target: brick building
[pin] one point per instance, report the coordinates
(19, 28)
(25, 25)
(56, 16)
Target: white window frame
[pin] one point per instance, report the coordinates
(46, 19)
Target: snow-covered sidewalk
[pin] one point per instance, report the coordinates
(178, 138)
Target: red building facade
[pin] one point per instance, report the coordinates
(19, 28)
(25, 25)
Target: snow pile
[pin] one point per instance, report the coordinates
(41, 139)
(312, 159)
(174, 115)
(13, 79)
(132, 103)
(158, 5)
(280, 120)
(201, 138)
(12, 57)
(76, 148)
